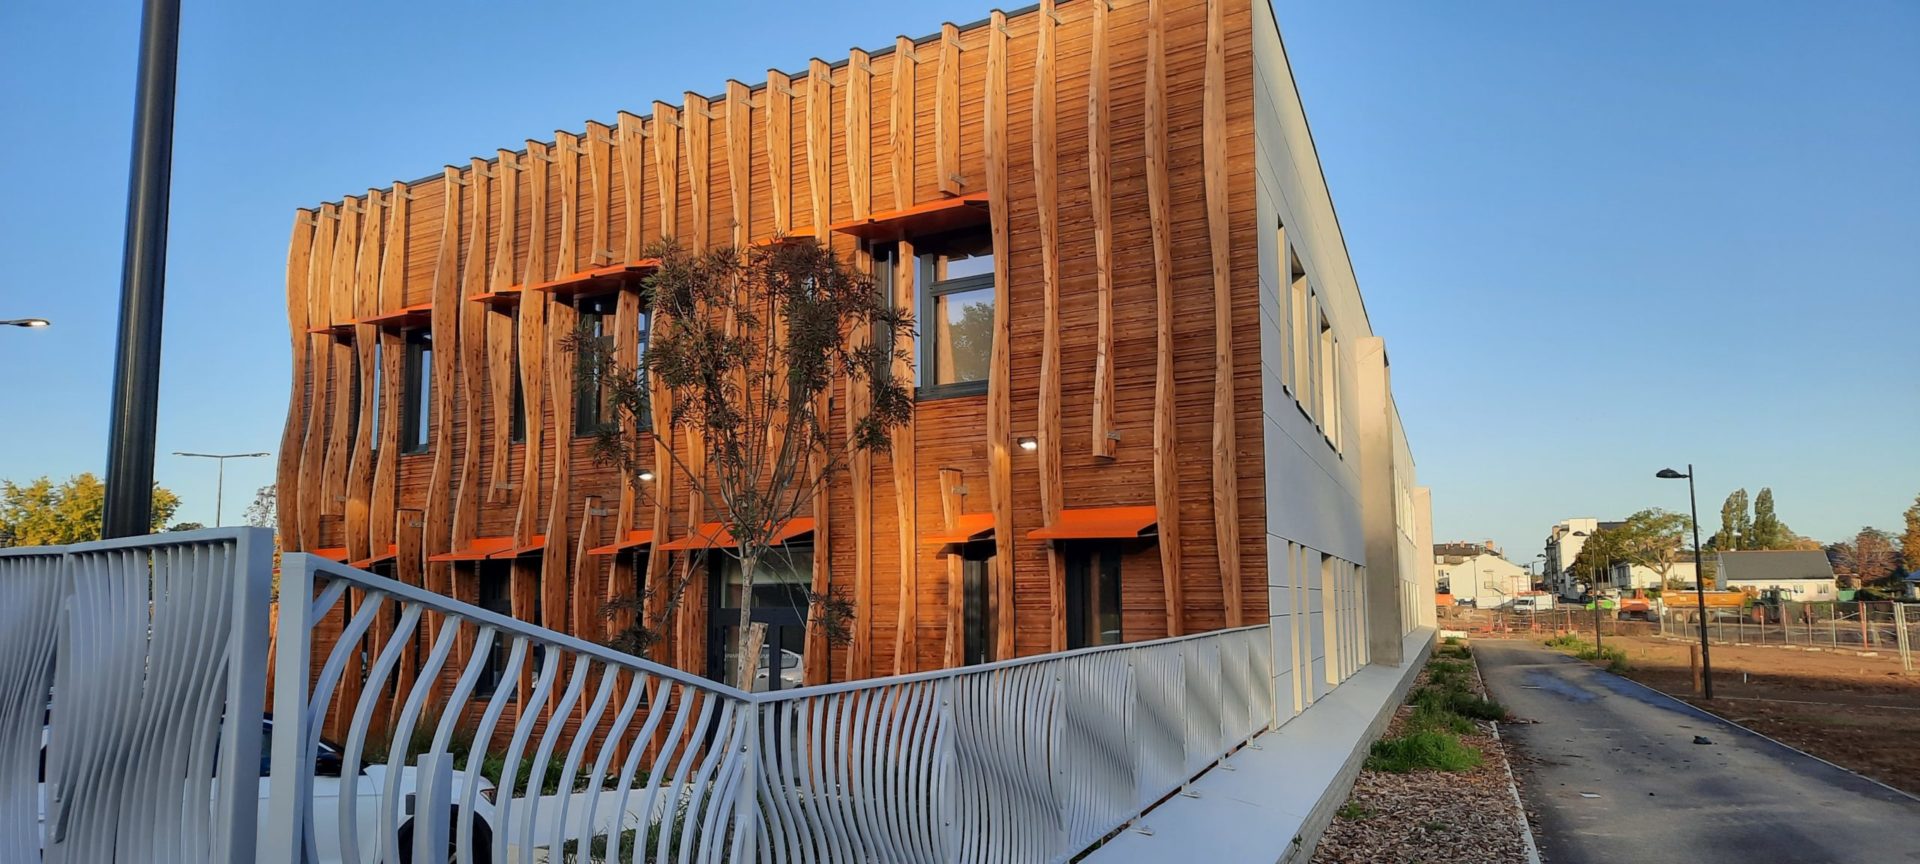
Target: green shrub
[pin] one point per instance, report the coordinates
(1458, 701)
(1450, 640)
(1427, 718)
(1355, 811)
(1422, 751)
(1567, 642)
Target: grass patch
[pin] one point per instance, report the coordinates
(1457, 701)
(1615, 659)
(1354, 811)
(1422, 751)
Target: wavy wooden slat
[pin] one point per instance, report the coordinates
(567, 152)
(696, 125)
(952, 504)
(599, 146)
(696, 122)
(446, 338)
(409, 531)
(1226, 486)
(1100, 201)
(739, 161)
(999, 375)
(366, 348)
(533, 346)
(287, 464)
(1166, 467)
(946, 114)
(393, 278)
(585, 603)
(556, 564)
(666, 166)
(346, 243)
(313, 449)
(819, 194)
(500, 329)
(472, 338)
(631, 149)
(780, 149)
(858, 131)
(900, 121)
(1046, 199)
(900, 134)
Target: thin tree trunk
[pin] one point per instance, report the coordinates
(748, 636)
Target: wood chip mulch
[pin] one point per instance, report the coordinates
(1429, 817)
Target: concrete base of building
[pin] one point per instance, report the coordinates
(1283, 789)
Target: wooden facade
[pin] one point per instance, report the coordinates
(1106, 149)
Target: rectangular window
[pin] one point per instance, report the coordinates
(956, 313)
(1093, 595)
(1326, 401)
(593, 413)
(1330, 615)
(977, 633)
(1297, 344)
(496, 595)
(417, 414)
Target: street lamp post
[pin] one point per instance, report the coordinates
(25, 322)
(220, 484)
(1699, 576)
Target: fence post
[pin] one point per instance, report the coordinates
(746, 809)
(1693, 666)
(239, 802)
(288, 789)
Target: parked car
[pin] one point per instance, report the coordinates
(328, 784)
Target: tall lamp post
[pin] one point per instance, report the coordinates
(30, 323)
(220, 484)
(1699, 576)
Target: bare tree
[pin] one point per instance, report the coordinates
(745, 349)
(1868, 559)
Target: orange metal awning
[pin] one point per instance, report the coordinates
(504, 297)
(714, 535)
(534, 544)
(336, 554)
(597, 279)
(393, 550)
(970, 527)
(932, 217)
(634, 540)
(417, 315)
(481, 548)
(1099, 523)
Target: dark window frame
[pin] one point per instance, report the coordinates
(416, 412)
(930, 291)
(1086, 563)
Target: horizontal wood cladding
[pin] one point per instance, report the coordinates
(599, 195)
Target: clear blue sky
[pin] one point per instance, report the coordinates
(1597, 239)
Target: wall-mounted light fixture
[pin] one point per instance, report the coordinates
(1029, 444)
(646, 476)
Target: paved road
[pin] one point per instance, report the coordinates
(1664, 798)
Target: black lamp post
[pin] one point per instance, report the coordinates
(1699, 576)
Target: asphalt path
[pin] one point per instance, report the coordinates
(1615, 774)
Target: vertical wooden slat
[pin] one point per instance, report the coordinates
(1046, 201)
(532, 349)
(697, 125)
(500, 327)
(586, 601)
(780, 150)
(952, 504)
(946, 113)
(393, 286)
(626, 350)
(666, 166)
(739, 160)
(313, 450)
(999, 420)
(819, 172)
(1166, 467)
(600, 190)
(555, 562)
(857, 122)
(366, 348)
(446, 341)
(567, 150)
(1100, 201)
(633, 150)
(1226, 490)
(906, 487)
(472, 338)
(900, 121)
(409, 559)
(346, 241)
(287, 468)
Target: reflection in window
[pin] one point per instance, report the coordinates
(416, 415)
(957, 310)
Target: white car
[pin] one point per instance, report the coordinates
(372, 784)
(791, 674)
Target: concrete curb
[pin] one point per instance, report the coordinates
(1513, 785)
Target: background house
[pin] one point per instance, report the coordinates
(1626, 577)
(1803, 575)
(1478, 574)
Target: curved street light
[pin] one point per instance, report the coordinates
(219, 488)
(31, 323)
(1699, 576)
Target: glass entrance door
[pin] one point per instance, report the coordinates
(779, 592)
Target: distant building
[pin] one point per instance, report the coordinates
(1564, 543)
(1803, 575)
(1477, 574)
(1626, 577)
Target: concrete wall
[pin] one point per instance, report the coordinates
(1328, 587)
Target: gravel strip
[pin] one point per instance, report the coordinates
(1468, 817)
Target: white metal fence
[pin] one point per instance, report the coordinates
(132, 676)
(469, 736)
